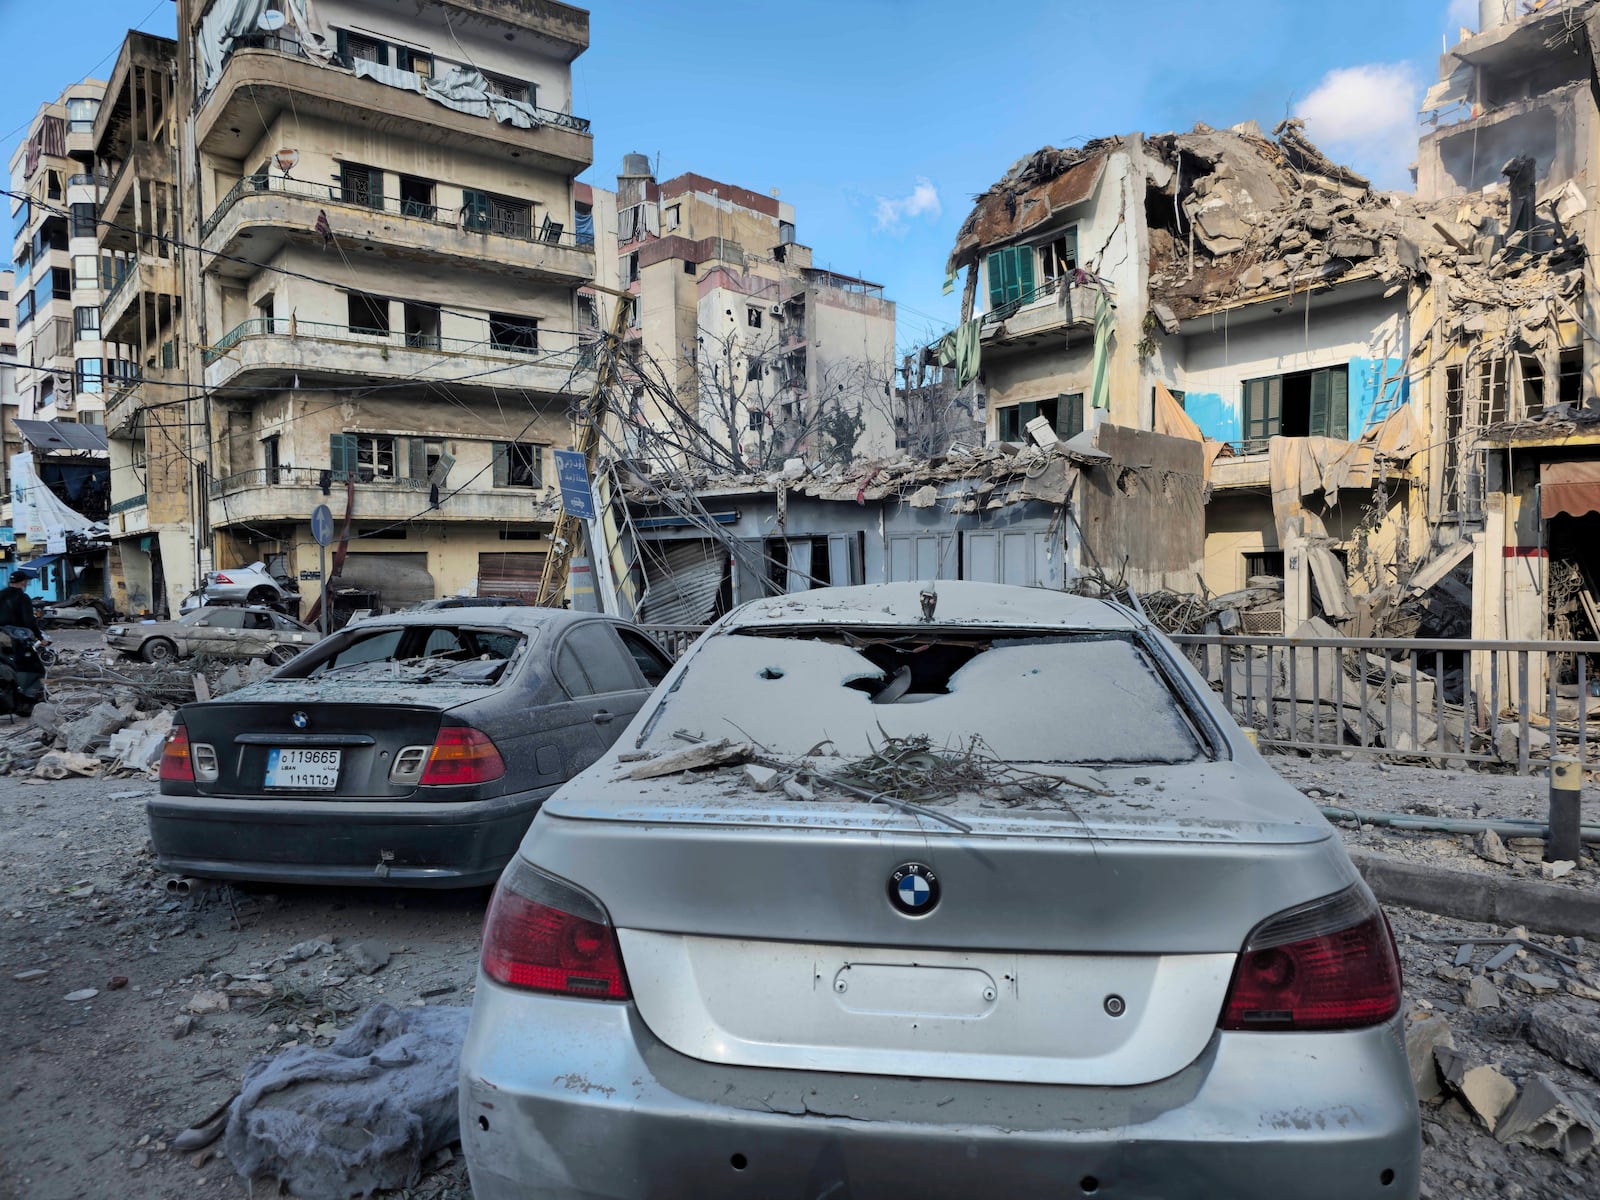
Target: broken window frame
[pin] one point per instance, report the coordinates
(1065, 411)
(374, 309)
(752, 316)
(376, 458)
(1058, 258)
(518, 465)
(515, 332)
(1261, 406)
(361, 184)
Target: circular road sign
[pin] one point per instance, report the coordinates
(322, 524)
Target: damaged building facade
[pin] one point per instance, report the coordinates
(741, 352)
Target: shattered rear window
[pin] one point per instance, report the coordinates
(413, 653)
(1056, 699)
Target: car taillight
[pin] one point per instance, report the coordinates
(219, 577)
(175, 764)
(1330, 964)
(461, 755)
(544, 935)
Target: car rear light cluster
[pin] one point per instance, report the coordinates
(1329, 964)
(461, 755)
(544, 935)
(175, 762)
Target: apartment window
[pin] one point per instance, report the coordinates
(496, 214)
(270, 460)
(360, 184)
(52, 234)
(86, 270)
(81, 114)
(60, 282)
(52, 184)
(1264, 562)
(1303, 404)
(353, 46)
(583, 224)
(1058, 258)
(368, 314)
(1064, 412)
(5, 322)
(1010, 274)
(83, 220)
(416, 197)
(508, 88)
(518, 464)
(47, 391)
(1532, 386)
(90, 376)
(427, 458)
(372, 456)
(422, 326)
(632, 271)
(86, 321)
(509, 331)
(673, 216)
(1569, 375)
(415, 61)
(265, 307)
(752, 316)
(588, 314)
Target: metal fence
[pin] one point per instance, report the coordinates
(675, 639)
(1450, 702)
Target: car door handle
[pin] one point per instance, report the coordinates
(604, 718)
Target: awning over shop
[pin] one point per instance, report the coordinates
(36, 566)
(1572, 488)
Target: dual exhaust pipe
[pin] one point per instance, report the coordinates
(188, 885)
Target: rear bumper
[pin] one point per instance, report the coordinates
(441, 844)
(576, 1100)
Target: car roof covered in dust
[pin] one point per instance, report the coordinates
(527, 618)
(959, 603)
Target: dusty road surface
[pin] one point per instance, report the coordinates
(93, 1090)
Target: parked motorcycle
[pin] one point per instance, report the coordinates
(23, 657)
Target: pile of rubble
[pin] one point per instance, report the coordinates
(104, 720)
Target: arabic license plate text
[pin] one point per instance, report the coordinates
(303, 770)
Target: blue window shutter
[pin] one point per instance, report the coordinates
(342, 454)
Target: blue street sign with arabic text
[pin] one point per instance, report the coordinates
(572, 472)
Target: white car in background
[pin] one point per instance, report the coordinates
(253, 584)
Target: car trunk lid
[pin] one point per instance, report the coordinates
(322, 741)
(1088, 940)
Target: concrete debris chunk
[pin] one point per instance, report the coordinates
(1488, 846)
(1482, 994)
(368, 956)
(1423, 1037)
(82, 994)
(924, 497)
(1558, 869)
(1534, 983)
(1574, 1040)
(58, 764)
(763, 779)
(796, 790)
(707, 754)
(310, 948)
(1484, 1091)
(1548, 1118)
(205, 1003)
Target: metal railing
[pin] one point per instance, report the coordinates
(261, 477)
(464, 221)
(131, 502)
(392, 339)
(1452, 702)
(120, 283)
(674, 639)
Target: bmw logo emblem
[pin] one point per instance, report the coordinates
(914, 889)
(300, 720)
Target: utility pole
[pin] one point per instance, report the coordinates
(564, 538)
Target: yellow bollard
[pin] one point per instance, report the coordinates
(1565, 840)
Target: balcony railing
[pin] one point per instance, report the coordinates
(465, 220)
(129, 272)
(1010, 307)
(393, 338)
(302, 477)
(131, 502)
(291, 46)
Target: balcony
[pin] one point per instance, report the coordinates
(291, 493)
(1247, 468)
(269, 211)
(265, 76)
(267, 351)
(119, 311)
(148, 162)
(123, 400)
(1024, 322)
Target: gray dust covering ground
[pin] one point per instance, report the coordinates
(188, 992)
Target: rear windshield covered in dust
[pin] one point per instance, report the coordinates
(1064, 699)
(413, 654)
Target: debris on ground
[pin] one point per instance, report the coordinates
(387, 1085)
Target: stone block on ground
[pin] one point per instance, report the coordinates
(1481, 1088)
(1422, 1038)
(1560, 1034)
(1548, 1118)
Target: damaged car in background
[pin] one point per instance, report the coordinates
(410, 749)
(971, 885)
(217, 632)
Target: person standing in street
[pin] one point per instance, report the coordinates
(16, 606)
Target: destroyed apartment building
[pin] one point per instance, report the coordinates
(1385, 393)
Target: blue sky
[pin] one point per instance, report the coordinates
(879, 120)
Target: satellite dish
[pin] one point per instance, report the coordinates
(286, 159)
(270, 21)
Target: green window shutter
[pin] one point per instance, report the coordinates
(375, 187)
(474, 209)
(1071, 239)
(419, 459)
(342, 454)
(1339, 402)
(995, 267)
(1022, 257)
(1319, 404)
(1263, 406)
(402, 58)
(342, 44)
(502, 465)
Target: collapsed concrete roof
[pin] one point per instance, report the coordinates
(1037, 186)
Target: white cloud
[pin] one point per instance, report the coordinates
(1366, 117)
(893, 214)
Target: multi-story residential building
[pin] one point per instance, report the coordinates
(748, 352)
(8, 320)
(62, 364)
(151, 412)
(384, 306)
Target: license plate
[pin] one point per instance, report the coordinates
(303, 770)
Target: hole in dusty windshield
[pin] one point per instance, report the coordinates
(1076, 698)
(414, 654)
